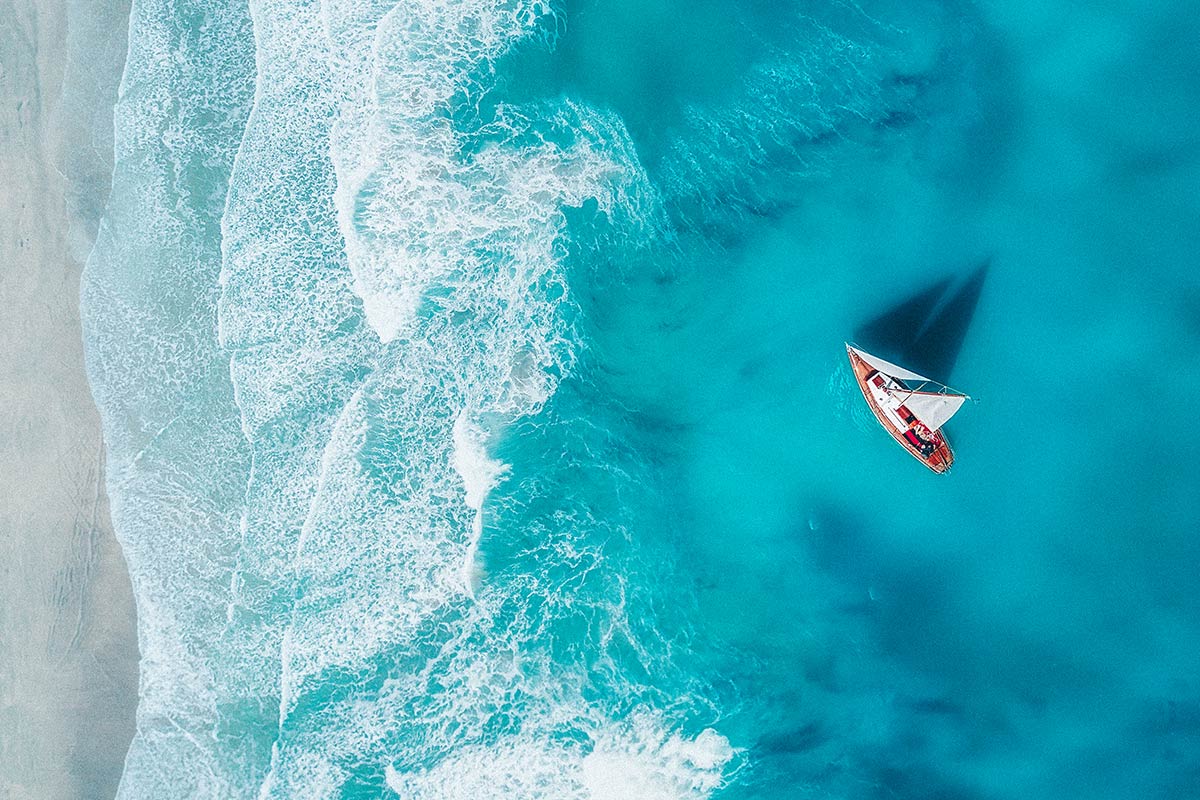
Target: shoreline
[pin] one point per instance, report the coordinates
(68, 640)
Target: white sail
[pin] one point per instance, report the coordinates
(888, 368)
(932, 408)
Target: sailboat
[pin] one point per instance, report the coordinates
(913, 416)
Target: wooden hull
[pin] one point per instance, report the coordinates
(930, 447)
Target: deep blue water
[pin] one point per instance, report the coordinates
(479, 422)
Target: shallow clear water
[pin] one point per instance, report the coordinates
(480, 425)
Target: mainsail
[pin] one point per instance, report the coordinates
(932, 408)
(888, 368)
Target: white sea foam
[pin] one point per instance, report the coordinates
(454, 237)
(331, 576)
(176, 458)
(290, 323)
(635, 760)
(312, 777)
(479, 474)
(655, 765)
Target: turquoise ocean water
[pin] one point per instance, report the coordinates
(479, 423)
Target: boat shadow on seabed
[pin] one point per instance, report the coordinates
(926, 331)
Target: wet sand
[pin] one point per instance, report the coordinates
(68, 643)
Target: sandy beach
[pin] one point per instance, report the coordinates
(68, 644)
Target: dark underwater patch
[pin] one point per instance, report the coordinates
(925, 332)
